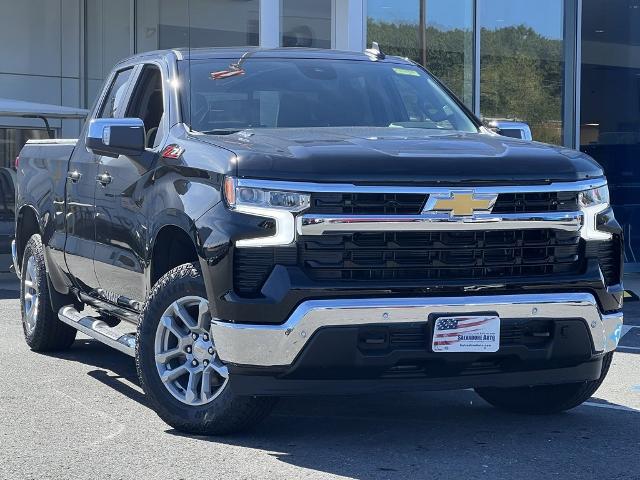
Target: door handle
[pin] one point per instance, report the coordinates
(104, 179)
(74, 176)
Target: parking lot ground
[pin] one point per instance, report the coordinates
(81, 415)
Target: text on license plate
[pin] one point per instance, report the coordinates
(478, 333)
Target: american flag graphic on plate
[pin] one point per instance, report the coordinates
(474, 333)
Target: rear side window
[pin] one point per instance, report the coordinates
(114, 105)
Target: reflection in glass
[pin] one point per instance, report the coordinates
(13, 139)
(522, 64)
(610, 105)
(449, 45)
(301, 93)
(435, 33)
(306, 23)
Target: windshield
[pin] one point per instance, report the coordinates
(299, 93)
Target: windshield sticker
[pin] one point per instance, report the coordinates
(406, 71)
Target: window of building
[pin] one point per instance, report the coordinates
(214, 23)
(306, 23)
(610, 105)
(435, 33)
(522, 64)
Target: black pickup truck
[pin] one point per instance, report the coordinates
(250, 224)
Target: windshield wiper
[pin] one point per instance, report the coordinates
(223, 131)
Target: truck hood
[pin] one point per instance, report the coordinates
(407, 156)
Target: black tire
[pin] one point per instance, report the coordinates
(226, 413)
(545, 399)
(48, 333)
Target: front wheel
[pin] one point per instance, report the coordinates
(177, 361)
(545, 399)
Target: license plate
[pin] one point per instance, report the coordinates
(479, 333)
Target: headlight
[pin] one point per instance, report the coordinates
(263, 202)
(593, 197)
(592, 202)
(238, 195)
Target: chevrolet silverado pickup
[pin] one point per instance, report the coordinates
(257, 223)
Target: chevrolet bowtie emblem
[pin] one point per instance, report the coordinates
(461, 204)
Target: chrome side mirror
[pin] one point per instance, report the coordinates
(508, 128)
(113, 137)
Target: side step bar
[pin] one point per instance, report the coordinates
(96, 328)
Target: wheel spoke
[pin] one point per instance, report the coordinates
(170, 375)
(204, 320)
(183, 315)
(171, 325)
(191, 393)
(28, 283)
(31, 268)
(205, 388)
(164, 357)
(220, 368)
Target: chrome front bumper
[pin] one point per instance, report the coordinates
(279, 345)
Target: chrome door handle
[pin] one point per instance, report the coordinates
(74, 176)
(104, 179)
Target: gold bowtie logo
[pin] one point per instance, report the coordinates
(461, 204)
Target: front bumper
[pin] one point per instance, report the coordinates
(281, 345)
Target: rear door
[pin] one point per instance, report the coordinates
(122, 234)
(81, 221)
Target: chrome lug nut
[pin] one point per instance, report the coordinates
(205, 362)
(211, 351)
(205, 337)
(194, 336)
(188, 349)
(194, 363)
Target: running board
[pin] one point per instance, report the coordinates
(96, 328)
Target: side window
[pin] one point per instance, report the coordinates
(113, 103)
(147, 104)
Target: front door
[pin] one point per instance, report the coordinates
(122, 234)
(80, 194)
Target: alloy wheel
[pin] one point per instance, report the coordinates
(30, 295)
(185, 354)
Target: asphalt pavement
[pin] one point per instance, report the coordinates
(81, 415)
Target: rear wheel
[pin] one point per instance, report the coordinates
(178, 365)
(43, 331)
(545, 399)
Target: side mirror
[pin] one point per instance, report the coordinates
(113, 137)
(508, 128)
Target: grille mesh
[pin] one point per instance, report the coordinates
(439, 255)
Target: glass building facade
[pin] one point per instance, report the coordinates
(569, 68)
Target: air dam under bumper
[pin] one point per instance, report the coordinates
(280, 345)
